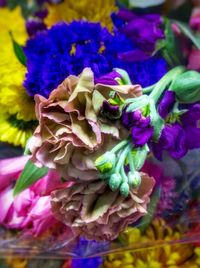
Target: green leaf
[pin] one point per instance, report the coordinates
(169, 47)
(185, 29)
(187, 87)
(18, 49)
(29, 175)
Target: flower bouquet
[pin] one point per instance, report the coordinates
(100, 103)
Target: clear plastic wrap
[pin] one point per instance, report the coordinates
(174, 204)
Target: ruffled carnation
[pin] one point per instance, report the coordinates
(71, 133)
(96, 212)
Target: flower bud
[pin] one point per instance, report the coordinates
(134, 179)
(105, 162)
(140, 156)
(115, 181)
(187, 87)
(124, 189)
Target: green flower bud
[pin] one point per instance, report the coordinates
(140, 156)
(105, 162)
(187, 87)
(124, 189)
(134, 179)
(115, 181)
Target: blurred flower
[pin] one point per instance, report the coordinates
(16, 262)
(30, 209)
(143, 30)
(169, 255)
(195, 19)
(13, 113)
(2, 3)
(167, 185)
(94, 211)
(89, 263)
(34, 25)
(15, 131)
(194, 59)
(68, 48)
(69, 10)
(70, 134)
(11, 70)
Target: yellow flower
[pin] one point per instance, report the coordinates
(15, 131)
(95, 11)
(17, 263)
(168, 255)
(13, 97)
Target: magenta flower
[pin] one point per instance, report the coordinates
(31, 209)
(195, 19)
(167, 185)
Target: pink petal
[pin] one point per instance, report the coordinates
(10, 169)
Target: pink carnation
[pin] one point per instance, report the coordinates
(71, 133)
(94, 211)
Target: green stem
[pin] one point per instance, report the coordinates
(120, 146)
(123, 174)
(130, 160)
(165, 81)
(147, 90)
(122, 158)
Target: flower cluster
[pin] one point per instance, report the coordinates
(68, 48)
(98, 94)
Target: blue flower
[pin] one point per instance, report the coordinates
(66, 49)
(89, 263)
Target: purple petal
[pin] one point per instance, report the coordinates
(167, 103)
(140, 136)
(192, 137)
(108, 79)
(173, 140)
(131, 118)
(192, 116)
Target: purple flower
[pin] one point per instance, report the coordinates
(108, 79)
(190, 122)
(34, 25)
(173, 140)
(143, 30)
(130, 119)
(41, 14)
(166, 104)
(142, 132)
(178, 138)
(2, 3)
(141, 129)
